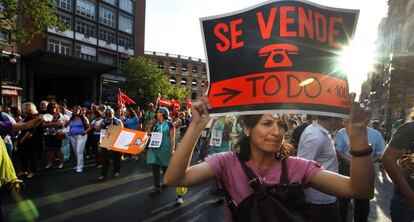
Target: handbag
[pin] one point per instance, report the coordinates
(280, 202)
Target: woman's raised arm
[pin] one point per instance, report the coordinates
(361, 182)
(179, 173)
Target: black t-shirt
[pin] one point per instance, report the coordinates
(297, 132)
(403, 139)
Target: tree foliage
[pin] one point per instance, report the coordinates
(145, 81)
(33, 18)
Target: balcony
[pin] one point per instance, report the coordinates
(67, 33)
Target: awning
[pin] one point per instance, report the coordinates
(62, 64)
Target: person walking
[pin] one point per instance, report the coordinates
(29, 141)
(53, 135)
(110, 119)
(316, 144)
(94, 137)
(161, 148)
(78, 134)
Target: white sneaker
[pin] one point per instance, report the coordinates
(79, 170)
(180, 200)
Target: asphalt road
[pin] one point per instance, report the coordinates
(64, 195)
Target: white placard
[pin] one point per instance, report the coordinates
(124, 140)
(102, 135)
(216, 137)
(156, 139)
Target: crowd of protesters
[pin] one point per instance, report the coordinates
(319, 138)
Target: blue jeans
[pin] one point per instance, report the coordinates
(400, 212)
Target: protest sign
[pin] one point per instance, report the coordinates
(124, 140)
(278, 56)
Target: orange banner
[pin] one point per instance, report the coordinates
(280, 87)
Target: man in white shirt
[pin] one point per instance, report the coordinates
(316, 144)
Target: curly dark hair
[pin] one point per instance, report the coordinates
(250, 121)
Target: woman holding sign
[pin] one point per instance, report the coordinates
(264, 157)
(110, 119)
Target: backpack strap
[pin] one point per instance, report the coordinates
(254, 182)
(230, 203)
(284, 177)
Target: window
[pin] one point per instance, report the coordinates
(125, 24)
(59, 47)
(107, 36)
(121, 61)
(194, 96)
(66, 20)
(85, 52)
(112, 2)
(173, 80)
(195, 69)
(184, 68)
(106, 58)
(107, 16)
(126, 5)
(194, 82)
(4, 36)
(173, 66)
(125, 41)
(64, 4)
(86, 29)
(184, 81)
(161, 65)
(85, 8)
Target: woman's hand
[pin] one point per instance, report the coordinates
(200, 115)
(356, 124)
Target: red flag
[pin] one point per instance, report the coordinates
(124, 99)
(164, 102)
(189, 104)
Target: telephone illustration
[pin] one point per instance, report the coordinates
(278, 55)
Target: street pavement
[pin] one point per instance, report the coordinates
(64, 195)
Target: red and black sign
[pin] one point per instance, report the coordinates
(280, 55)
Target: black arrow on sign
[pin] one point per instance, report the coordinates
(226, 91)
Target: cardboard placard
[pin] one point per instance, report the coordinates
(124, 140)
(278, 56)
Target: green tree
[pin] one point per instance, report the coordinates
(145, 81)
(33, 18)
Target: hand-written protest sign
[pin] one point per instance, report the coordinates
(124, 140)
(279, 55)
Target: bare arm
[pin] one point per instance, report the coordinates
(389, 159)
(361, 182)
(179, 173)
(27, 125)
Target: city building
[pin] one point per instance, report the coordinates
(10, 72)
(80, 64)
(389, 90)
(183, 70)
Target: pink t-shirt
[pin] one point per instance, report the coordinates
(229, 172)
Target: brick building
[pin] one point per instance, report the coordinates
(183, 70)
